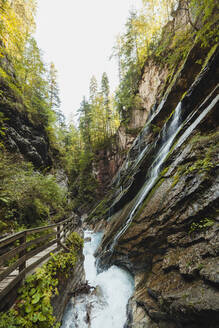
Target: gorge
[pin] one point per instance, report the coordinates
(138, 176)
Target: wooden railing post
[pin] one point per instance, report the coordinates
(69, 226)
(58, 235)
(65, 228)
(23, 240)
(10, 249)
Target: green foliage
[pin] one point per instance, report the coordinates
(2, 129)
(133, 48)
(27, 196)
(127, 97)
(101, 210)
(201, 225)
(98, 116)
(145, 38)
(75, 242)
(98, 122)
(200, 165)
(86, 183)
(33, 308)
(207, 12)
(156, 129)
(27, 84)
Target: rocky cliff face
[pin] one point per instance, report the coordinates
(163, 224)
(159, 86)
(21, 136)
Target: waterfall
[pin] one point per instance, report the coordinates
(198, 120)
(106, 305)
(166, 139)
(168, 135)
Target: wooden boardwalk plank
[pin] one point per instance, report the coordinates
(27, 264)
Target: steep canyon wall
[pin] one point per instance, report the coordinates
(162, 215)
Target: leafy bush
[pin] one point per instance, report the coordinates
(33, 308)
(26, 196)
(74, 241)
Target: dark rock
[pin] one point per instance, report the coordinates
(21, 136)
(209, 270)
(171, 245)
(83, 288)
(35, 158)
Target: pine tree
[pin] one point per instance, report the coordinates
(54, 100)
(105, 91)
(93, 88)
(85, 122)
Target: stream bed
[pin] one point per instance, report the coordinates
(105, 306)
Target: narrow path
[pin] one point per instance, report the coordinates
(21, 255)
(5, 282)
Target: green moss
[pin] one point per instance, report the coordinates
(100, 211)
(184, 94)
(169, 117)
(209, 55)
(200, 266)
(201, 225)
(156, 129)
(163, 173)
(134, 132)
(175, 179)
(203, 139)
(149, 196)
(200, 165)
(205, 163)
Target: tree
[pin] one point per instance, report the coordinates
(85, 122)
(105, 91)
(54, 100)
(17, 24)
(93, 88)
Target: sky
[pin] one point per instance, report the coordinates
(78, 36)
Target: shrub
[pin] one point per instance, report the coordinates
(26, 196)
(33, 308)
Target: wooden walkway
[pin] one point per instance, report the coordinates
(19, 257)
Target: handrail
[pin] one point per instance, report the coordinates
(16, 236)
(17, 248)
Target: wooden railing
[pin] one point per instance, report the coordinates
(22, 252)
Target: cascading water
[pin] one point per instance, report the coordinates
(106, 305)
(137, 143)
(168, 135)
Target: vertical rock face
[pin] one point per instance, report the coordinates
(152, 85)
(110, 159)
(67, 287)
(21, 135)
(167, 232)
(159, 88)
(105, 166)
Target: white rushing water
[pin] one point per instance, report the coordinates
(168, 135)
(106, 305)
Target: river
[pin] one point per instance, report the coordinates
(106, 305)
